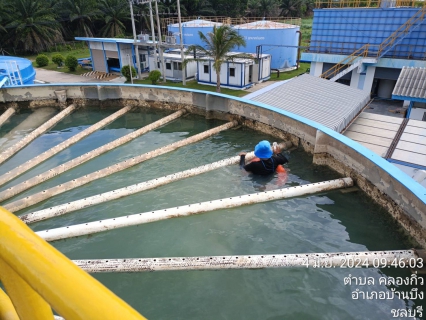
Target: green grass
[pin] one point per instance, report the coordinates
(306, 29)
(196, 86)
(290, 74)
(78, 53)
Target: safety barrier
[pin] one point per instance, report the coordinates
(37, 278)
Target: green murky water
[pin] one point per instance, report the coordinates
(325, 222)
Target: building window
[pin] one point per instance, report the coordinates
(232, 72)
(177, 65)
(168, 66)
(158, 66)
(206, 68)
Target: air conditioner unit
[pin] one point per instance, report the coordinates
(143, 37)
(171, 39)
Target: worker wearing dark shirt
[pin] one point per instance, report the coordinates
(265, 162)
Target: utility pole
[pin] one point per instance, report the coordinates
(153, 35)
(138, 63)
(160, 49)
(181, 45)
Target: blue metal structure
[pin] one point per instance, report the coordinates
(342, 31)
(280, 40)
(190, 31)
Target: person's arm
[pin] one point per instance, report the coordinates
(281, 158)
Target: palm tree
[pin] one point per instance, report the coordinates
(80, 13)
(32, 25)
(291, 8)
(114, 13)
(218, 44)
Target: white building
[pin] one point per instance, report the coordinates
(241, 73)
(173, 61)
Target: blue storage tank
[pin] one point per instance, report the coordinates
(277, 39)
(190, 30)
(25, 67)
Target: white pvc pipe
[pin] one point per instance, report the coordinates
(17, 171)
(21, 187)
(75, 183)
(126, 191)
(6, 115)
(186, 210)
(36, 133)
(344, 260)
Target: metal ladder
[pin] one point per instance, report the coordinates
(14, 73)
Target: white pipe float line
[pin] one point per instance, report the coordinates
(366, 259)
(6, 115)
(36, 133)
(21, 187)
(186, 210)
(75, 183)
(126, 191)
(12, 174)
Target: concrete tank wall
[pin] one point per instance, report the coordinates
(400, 195)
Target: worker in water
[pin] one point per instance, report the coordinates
(268, 159)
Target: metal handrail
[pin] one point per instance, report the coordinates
(403, 29)
(386, 44)
(360, 53)
(38, 277)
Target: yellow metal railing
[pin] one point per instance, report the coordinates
(360, 53)
(386, 44)
(403, 29)
(365, 3)
(37, 278)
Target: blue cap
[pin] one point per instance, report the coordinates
(263, 149)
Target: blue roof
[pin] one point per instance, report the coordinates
(113, 40)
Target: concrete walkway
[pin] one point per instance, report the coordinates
(49, 76)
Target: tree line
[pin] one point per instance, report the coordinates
(35, 25)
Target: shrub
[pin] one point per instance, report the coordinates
(58, 59)
(68, 47)
(71, 62)
(125, 71)
(154, 76)
(42, 60)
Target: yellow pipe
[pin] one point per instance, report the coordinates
(7, 311)
(70, 291)
(28, 303)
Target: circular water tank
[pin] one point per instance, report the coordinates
(9, 67)
(280, 40)
(190, 31)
